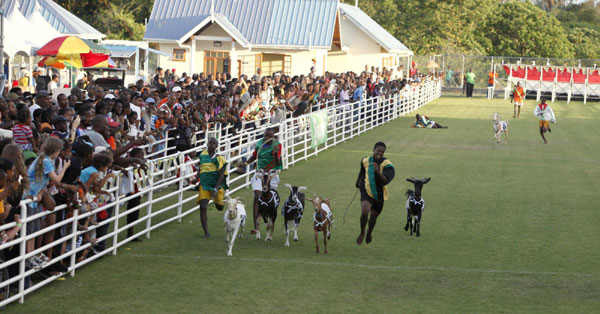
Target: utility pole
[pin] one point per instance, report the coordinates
(2, 74)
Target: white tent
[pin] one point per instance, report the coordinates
(25, 35)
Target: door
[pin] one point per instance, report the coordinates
(216, 62)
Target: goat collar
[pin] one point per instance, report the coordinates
(412, 199)
(292, 206)
(272, 199)
(319, 223)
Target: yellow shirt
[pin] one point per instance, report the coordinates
(1, 203)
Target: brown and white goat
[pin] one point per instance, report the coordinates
(322, 219)
(235, 219)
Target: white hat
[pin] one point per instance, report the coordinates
(109, 96)
(176, 89)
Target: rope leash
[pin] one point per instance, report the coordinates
(344, 220)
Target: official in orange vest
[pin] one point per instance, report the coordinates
(518, 97)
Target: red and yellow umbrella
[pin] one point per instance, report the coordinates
(73, 52)
(85, 60)
(70, 46)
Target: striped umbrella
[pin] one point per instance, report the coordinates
(70, 46)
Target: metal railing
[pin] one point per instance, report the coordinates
(168, 177)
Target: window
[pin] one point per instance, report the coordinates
(178, 54)
(388, 62)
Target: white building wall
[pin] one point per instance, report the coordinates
(363, 51)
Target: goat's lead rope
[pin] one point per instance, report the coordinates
(344, 220)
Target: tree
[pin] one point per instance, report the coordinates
(585, 42)
(118, 22)
(521, 29)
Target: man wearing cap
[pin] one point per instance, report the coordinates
(42, 100)
(60, 128)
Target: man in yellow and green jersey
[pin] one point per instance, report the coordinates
(212, 173)
(376, 172)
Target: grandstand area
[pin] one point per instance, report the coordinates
(507, 228)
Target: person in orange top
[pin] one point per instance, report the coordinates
(491, 78)
(518, 97)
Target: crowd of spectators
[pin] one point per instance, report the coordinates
(63, 150)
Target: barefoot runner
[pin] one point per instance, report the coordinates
(268, 156)
(376, 172)
(212, 173)
(546, 115)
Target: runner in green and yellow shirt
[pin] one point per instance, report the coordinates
(212, 173)
(376, 172)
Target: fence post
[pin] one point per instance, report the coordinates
(181, 177)
(116, 214)
(150, 194)
(22, 252)
(74, 242)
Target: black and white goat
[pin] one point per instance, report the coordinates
(415, 205)
(235, 219)
(268, 202)
(292, 210)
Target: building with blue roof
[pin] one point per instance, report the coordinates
(289, 36)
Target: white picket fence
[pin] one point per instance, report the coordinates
(166, 178)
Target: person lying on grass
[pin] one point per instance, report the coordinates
(423, 121)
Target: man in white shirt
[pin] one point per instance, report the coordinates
(53, 83)
(545, 115)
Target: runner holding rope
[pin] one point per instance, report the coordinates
(267, 154)
(376, 172)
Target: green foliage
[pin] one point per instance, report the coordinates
(585, 41)
(117, 22)
(118, 19)
(521, 29)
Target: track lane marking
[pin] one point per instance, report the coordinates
(424, 268)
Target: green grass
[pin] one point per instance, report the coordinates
(507, 229)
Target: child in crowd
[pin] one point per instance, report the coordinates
(40, 173)
(22, 133)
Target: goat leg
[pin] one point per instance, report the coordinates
(324, 240)
(233, 235)
(317, 239)
(287, 233)
(407, 221)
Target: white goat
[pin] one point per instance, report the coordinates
(235, 219)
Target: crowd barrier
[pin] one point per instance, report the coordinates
(168, 178)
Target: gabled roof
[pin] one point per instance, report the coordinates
(260, 22)
(61, 19)
(121, 51)
(373, 29)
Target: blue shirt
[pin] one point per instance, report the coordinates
(358, 92)
(87, 173)
(37, 185)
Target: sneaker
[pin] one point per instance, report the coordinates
(43, 258)
(38, 261)
(31, 263)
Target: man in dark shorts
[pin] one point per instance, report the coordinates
(376, 172)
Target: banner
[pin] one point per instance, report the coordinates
(318, 128)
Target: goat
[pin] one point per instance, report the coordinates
(322, 219)
(292, 210)
(415, 205)
(235, 219)
(268, 202)
(500, 126)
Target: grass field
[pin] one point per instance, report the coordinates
(507, 229)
